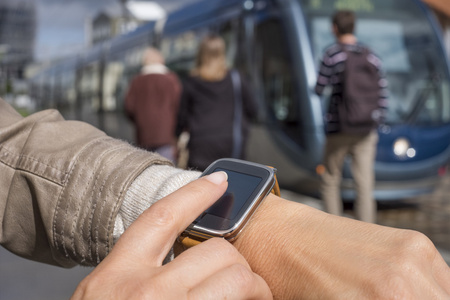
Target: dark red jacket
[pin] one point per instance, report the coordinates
(152, 102)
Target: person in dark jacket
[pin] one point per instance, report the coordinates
(152, 103)
(344, 138)
(216, 107)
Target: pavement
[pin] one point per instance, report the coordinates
(22, 279)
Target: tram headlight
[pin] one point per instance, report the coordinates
(401, 145)
(249, 4)
(402, 148)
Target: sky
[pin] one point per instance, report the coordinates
(61, 23)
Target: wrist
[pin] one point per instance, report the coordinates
(266, 243)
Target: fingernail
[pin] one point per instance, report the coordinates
(217, 177)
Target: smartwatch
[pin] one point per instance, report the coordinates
(248, 184)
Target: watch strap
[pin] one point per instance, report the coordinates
(188, 242)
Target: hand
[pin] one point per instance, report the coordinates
(304, 253)
(211, 270)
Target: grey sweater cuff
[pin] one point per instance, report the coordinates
(156, 182)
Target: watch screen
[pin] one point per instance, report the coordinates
(248, 184)
(240, 188)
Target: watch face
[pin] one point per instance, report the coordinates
(248, 184)
(239, 192)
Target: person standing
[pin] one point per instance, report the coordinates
(152, 103)
(358, 104)
(216, 107)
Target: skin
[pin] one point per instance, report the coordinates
(301, 252)
(304, 253)
(212, 270)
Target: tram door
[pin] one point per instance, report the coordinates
(281, 133)
(274, 79)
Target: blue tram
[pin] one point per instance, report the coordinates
(278, 44)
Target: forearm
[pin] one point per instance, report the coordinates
(264, 244)
(283, 244)
(304, 253)
(62, 185)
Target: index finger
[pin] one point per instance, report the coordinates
(152, 234)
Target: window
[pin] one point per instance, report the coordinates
(274, 67)
(401, 35)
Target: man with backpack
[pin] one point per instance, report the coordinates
(358, 104)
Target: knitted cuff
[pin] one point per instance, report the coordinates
(156, 182)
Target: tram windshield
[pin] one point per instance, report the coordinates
(402, 36)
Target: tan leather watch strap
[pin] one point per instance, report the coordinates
(188, 242)
(276, 187)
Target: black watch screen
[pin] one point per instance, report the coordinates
(248, 184)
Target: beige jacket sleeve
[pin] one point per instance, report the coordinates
(62, 184)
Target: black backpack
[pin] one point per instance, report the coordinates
(359, 108)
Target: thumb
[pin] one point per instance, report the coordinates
(151, 236)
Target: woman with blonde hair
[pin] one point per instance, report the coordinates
(216, 107)
(211, 63)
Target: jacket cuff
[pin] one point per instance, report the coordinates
(96, 185)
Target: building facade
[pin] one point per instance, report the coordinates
(17, 37)
(107, 25)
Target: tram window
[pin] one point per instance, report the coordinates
(180, 50)
(121, 65)
(111, 84)
(89, 87)
(431, 110)
(275, 68)
(400, 33)
(228, 32)
(114, 81)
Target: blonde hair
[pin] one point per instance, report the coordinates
(211, 62)
(152, 57)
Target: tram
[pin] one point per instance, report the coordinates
(277, 44)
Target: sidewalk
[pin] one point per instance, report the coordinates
(24, 279)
